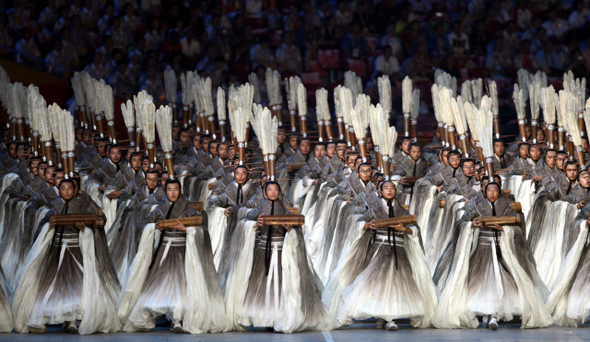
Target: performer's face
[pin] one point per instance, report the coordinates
(560, 160)
(331, 150)
(197, 142)
(483, 185)
(319, 151)
(222, 151)
(213, 149)
(87, 137)
(57, 178)
(67, 191)
(341, 150)
(365, 173)
(584, 145)
(241, 175)
(79, 134)
(454, 161)
(445, 160)
(21, 152)
(175, 131)
(145, 165)
(585, 179)
(101, 149)
(523, 151)
(12, 150)
(115, 154)
(281, 136)
(499, 148)
(535, 153)
(151, 180)
(388, 191)
(136, 162)
(163, 179)
(415, 153)
(185, 138)
(35, 167)
(42, 168)
(469, 169)
(550, 159)
(272, 192)
(173, 192)
(49, 174)
(350, 161)
(231, 152)
(293, 142)
(492, 193)
(571, 171)
(405, 146)
(205, 144)
(305, 147)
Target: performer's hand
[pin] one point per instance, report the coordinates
(477, 223)
(114, 194)
(582, 204)
(315, 181)
(369, 225)
(101, 188)
(588, 222)
(537, 178)
(259, 222)
(180, 226)
(52, 221)
(226, 211)
(496, 227)
(288, 227)
(399, 227)
(438, 188)
(159, 227)
(80, 226)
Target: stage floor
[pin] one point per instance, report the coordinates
(356, 332)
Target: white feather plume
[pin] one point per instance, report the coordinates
(164, 125)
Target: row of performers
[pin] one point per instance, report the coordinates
(232, 271)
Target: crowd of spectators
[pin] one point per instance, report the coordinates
(130, 42)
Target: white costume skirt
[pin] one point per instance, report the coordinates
(491, 288)
(165, 292)
(60, 293)
(386, 287)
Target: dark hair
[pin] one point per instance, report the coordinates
(499, 140)
(382, 183)
(341, 142)
(561, 152)
(467, 160)
(414, 144)
(570, 162)
(270, 183)
(152, 171)
(453, 153)
(492, 182)
(172, 181)
(64, 181)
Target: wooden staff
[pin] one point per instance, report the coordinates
(320, 130)
(293, 116)
(414, 127)
(273, 220)
(186, 221)
(48, 152)
(522, 129)
(341, 128)
(407, 124)
(185, 115)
